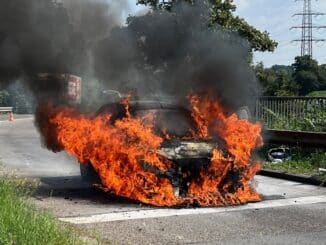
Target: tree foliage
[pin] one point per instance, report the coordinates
(222, 14)
(17, 96)
(306, 74)
(301, 78)
(4, 98)
(322, 76)
(277, 80)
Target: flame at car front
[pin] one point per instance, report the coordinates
(118, 151)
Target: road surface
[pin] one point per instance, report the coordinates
(291, 213)
(21, 150)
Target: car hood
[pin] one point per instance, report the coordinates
(174, 150)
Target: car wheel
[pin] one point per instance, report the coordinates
(88, 174)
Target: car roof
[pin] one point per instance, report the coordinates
(151, 104)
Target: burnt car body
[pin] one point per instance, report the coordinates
(187, 155)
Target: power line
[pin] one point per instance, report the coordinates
(307, 28)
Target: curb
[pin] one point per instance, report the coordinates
(293, 177)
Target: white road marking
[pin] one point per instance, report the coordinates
(157, 213)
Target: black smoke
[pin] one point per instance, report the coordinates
(175, 53)
(56, 37)
(35, 36)
(160, 53)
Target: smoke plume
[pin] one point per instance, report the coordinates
(160, 53)
(175, 53)
(45, 36)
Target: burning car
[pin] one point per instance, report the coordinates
(188, 155)
(160, 153)
(175, 123)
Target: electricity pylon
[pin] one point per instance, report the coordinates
(307, 38)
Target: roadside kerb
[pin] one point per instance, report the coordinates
(292, 177)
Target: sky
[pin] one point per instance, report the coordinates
(275, 17)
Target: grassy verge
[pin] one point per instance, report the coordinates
(318, 93)
(304, 161)
(21, 223)
(301, 167)
(294, 167)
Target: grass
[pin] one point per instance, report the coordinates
(297, 167)
(304, 161)
(22, 223)
(294, 167)
(321, 93)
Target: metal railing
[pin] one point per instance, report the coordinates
(6, 109)
(292, 113)
(310, 139)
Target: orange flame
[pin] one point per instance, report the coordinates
(117, 152)
(241, 137)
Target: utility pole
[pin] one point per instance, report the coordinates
(307, 27)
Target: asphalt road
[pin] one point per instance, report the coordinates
(20, 150)
(291, 213)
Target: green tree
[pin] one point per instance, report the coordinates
(286, 85)
(266, 78)
(306, 74)
(4, 98)
(301, 78)
(322, 77)
(277, 80)
(222, 14)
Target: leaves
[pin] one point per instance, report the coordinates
(306, 74)
(301, 78)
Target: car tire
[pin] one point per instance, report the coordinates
(88, 174)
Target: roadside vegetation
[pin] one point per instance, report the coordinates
(22, 223)
(303, 161)
(321, 93)
(314, 120)
(302, 167)
(305, 77)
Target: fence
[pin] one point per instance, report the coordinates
(292, 113)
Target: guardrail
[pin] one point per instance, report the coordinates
(310, 139)
(6, 109)
(292, 112)
(9, 110)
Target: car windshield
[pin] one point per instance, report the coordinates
(175, 122)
